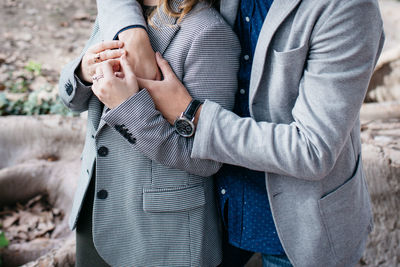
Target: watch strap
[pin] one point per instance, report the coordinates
(191, 109)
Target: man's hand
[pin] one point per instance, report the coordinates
(140, 54)
(111, 87)
(169, 95)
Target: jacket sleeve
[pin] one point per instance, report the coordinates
(154, 136)
(73, 92)
(341, 58)
(116, 15)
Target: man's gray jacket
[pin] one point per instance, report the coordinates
(310, 73)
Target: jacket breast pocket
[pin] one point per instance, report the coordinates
(173, 199)
(294, 56)
(346, 214)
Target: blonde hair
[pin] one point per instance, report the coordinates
(184, 8)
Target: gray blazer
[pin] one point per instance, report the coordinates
(311, 68)
(155, 205)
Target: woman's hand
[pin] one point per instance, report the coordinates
(95, 55)
(114, 82)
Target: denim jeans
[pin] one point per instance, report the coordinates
(275, 261)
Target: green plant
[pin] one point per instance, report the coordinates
(34, 67)
(20, 86)
(3, 243)
(31, 105)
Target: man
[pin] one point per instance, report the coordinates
(300, 195)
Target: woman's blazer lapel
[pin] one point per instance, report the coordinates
(163, 29)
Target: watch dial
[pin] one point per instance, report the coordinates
(184, 127)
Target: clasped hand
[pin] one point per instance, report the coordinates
(117, 80)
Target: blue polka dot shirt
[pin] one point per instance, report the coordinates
(242, 194)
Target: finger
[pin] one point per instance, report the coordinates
(97, 48)
(110, 54)
(98, 74)
(107, 69)
(165, 68)
(126, 67)
(144, 83)
(119, 74)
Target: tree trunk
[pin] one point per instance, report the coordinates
(381, 158)
(41, 155)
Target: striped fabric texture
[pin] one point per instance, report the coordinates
(160, 207)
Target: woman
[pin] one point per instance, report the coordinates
(152, 205)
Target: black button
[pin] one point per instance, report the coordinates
(102, 194)
(132, 140)
(103, 151)
(68, 87)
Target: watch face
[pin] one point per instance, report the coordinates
(184, 127)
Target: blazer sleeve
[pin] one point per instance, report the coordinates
(341, 58)
(117, 15)
(146, 128)
(73, 92)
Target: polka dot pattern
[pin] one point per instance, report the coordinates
(242, 194)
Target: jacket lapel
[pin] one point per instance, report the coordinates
(279, 10)
(163, 29)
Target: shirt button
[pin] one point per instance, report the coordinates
(247, 19)
(246, 57)
(102, 194)
(103, 151)
(242, 91)
(223, 191)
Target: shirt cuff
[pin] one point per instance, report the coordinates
(127, 28)
(129, 110)
(202, 135)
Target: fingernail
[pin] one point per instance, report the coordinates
(158, 54)
(122, 52)
(120, 44)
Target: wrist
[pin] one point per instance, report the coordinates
(137, 34)
(185, 123)
(197, 116)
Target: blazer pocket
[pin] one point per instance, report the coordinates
(292, 56)
(346, 214)
(173, 199)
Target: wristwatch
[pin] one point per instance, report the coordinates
(184, 124)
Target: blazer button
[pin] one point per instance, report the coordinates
(132, 140)
(103, 151)
(102, 194)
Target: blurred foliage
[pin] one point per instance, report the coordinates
(32, 104)
(19, 99)
(21, 85)
(3, 243)
(34, 67)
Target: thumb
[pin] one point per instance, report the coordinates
(165, 68)
(144, 83)
(126, 68)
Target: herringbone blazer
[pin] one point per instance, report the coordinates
(155, 206)
(310, 73)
